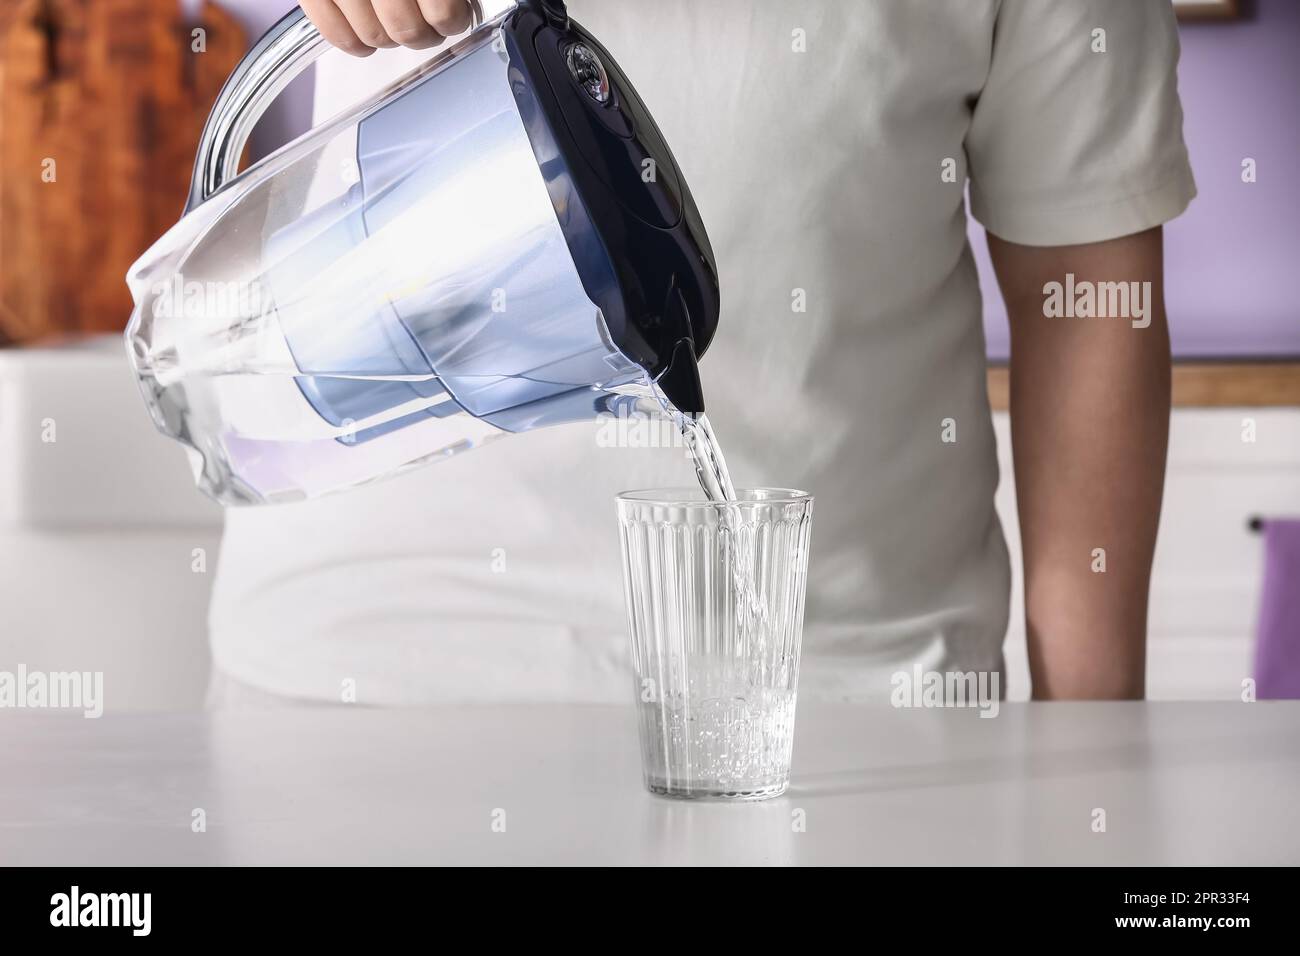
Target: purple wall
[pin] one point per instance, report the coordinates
(1232, 258)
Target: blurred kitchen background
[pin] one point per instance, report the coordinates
(107, 551)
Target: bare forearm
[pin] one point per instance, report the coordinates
(1090, 422)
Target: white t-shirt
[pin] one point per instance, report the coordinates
(814, 137)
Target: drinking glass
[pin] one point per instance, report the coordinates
(715, 603)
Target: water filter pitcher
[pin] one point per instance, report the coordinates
(498, 241)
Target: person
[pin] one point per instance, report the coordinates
(829, 146)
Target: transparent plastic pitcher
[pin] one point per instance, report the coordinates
(500, 240)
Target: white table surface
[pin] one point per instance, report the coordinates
(1195, 783)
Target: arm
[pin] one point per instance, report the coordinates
(1090, 425)
(360, 27)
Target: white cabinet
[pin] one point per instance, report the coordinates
(107, 551)
(106, 548)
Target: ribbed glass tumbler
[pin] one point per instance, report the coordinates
(715, 602)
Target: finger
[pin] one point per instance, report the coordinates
(404, 22)
(448, 17)
(365, 24)
(334, 26)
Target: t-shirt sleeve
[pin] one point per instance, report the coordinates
(1077, 135)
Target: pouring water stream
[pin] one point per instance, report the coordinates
(715, 481)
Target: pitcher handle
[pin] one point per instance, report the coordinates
(282, 53)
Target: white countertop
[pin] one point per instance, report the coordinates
(1196, 783)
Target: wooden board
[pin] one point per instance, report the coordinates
(1205, 385)
(101, 107)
